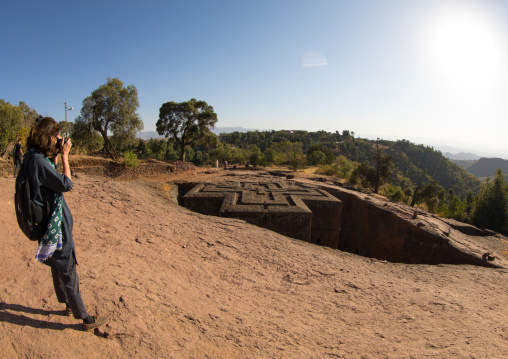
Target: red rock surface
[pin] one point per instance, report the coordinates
(177, 284)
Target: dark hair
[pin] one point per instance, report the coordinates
(41, 134)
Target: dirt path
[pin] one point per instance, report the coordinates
(177, 284)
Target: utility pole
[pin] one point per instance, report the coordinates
(66, 124)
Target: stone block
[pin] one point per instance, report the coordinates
(312, 215)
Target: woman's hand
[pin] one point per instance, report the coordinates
(65, 146)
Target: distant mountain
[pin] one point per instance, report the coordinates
(487, 167)
(149, 135)
(462, 156)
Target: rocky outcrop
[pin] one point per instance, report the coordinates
(374, 227)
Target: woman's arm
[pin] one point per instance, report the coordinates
(65, 149)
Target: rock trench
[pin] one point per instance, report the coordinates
(338, 218)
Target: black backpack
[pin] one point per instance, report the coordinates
(31, 219)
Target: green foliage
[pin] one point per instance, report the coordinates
(316, 158)
(84, 138)
(255, 157)
(345, 167)
(421, 164)
(130, 158)
(492, 207)
(208, 141)
(395, 193)
(318, 153)
(290, 153)
(156, 148)
(29, 115)
(142, 148)
(383, 165)
(11, 119)
(66, 128)
(329, 170)
(432, 189)
(365, 174)
(221, 153)
(268, 157)
(200, 158)
(189, 154)
(412, 164)
(187, 122)
(111, 108)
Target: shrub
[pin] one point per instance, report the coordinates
(130, 158)
(398, 195)
(328, 170)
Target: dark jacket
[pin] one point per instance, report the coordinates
(45, 180)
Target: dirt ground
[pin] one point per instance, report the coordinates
(177, 284)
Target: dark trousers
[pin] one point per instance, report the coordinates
(16, 167)
(67, 288)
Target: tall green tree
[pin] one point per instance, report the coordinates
(11, 118)
(383, 165)
(492, 207)
(186, 122)
(290, 153)
(325, 157)
(112, 109)
(29, 114)
(84, 137)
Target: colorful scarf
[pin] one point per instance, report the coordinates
(52, 239)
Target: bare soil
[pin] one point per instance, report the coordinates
(177, 284)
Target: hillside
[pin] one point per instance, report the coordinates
(464, 163)
(177, 284)
(418, 165)
(413, 164)
(487, 167)
(426, 162)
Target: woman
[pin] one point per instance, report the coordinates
(56, 248)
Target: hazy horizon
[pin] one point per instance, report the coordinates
(429, 69)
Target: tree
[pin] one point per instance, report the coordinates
(365, 173)
(290, 153)
(156, 148)
(223, 152)
(66, 127)
(316, 158)
(11, 118)
(383, 165)
(84, 137)
(345, 166)
(29, 114)
(186, 122)
(112, 108)
(255, 156)
(318, 153)
(492, 207)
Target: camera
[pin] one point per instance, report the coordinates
(59, 143)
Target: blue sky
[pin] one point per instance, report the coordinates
(433, 72)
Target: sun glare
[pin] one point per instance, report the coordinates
(464, 49)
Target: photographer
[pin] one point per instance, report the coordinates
(56, 248)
